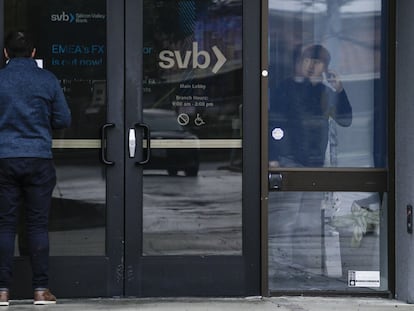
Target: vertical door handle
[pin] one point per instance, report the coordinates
(146, 136)
(132, 142)
(103, 143)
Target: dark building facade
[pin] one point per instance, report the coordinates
(180, 175)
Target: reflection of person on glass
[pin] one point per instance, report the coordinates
(299, 128)
(299, 114)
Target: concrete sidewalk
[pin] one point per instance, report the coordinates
(227, 304)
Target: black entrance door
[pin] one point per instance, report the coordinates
(153, 197)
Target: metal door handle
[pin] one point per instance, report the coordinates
(146, 135)
(103, 143)
(132, 142)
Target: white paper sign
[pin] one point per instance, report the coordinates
(39, 63)
(363, 278)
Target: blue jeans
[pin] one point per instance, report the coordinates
(26, 183)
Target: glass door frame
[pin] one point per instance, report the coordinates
(122, 271)
(94, 276)
(147, 276)
(331, 179)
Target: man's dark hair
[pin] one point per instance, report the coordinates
(317, 51)
(19, 44)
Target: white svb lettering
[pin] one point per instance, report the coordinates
(63, 17)
(200, 59)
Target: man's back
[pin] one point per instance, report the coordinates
(31, 104)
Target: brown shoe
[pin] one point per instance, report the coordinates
(4, 298)
(43, 297)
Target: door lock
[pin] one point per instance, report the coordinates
(275, 181)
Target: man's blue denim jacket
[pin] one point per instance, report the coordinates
(32, 103)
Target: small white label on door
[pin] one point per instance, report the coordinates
(363, 278)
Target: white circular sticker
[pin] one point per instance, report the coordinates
(277, 133)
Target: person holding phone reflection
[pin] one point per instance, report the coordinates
(299, 114)
(302, 112)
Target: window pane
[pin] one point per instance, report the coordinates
(192, 103)
(71, 43)
(318, 241)
(326, 109)
(326, 104)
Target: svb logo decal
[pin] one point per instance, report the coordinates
(62, 17)
(199, 59)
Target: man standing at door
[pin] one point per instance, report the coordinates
(32, 103)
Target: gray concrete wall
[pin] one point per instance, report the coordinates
(404, 148)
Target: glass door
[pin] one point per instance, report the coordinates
(191, 215)
(87, 219)
(327, 139)
(151, 197)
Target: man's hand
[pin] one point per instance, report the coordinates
(334, 81)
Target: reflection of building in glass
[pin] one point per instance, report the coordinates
(224, 29)
(351, 32)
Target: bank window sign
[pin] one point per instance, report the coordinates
(75, 45)
(193, 63)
